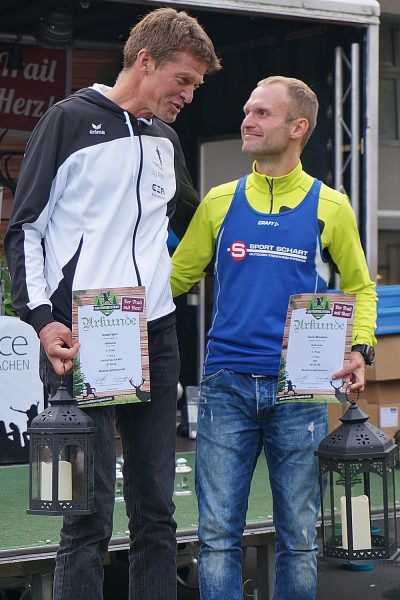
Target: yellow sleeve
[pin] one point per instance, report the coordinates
(195, 251)
(345, 248)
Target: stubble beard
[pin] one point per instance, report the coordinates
(262, 153)
(257, 153)
(250, 150)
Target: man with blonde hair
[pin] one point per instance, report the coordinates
(303, 102)
(244, 223)
(101, 178)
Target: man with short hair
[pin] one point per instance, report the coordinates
(89, 213)
(277, 205)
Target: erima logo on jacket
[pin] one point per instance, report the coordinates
(97, 130)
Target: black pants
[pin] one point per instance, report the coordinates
(148, 434)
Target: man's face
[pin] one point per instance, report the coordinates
(265, 129)
(171, 85)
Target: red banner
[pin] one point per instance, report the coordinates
(26, 93)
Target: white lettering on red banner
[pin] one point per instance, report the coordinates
(26, 93)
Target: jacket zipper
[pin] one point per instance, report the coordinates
(139, 279)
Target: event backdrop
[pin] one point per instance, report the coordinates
(21, 391)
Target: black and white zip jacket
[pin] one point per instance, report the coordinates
(96, 191)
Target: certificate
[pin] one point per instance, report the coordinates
(112, 366)
(316, 343)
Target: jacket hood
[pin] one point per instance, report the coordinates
(96, 95)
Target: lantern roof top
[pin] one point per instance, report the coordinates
(356, 438)
(63, 416)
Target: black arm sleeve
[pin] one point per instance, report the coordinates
(29, 217)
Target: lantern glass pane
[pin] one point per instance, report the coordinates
(391, 506)
(90, 473)
(39, 454)
(378, 504)
(35, 474)
(44, 473)
(72, 463)
(359, 486)
(331, 507)
(378, 485)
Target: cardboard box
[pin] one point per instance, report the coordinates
(385, 416)
(372, 410)
(382, 392)
(335, 411)
(389, 418)
(387, 361)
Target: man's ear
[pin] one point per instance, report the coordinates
(144, 60)
(300, 127)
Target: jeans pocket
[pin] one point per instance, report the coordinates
(211, 377)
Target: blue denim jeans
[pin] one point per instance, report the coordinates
(238, 416)
(148, 435)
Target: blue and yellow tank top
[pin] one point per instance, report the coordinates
(261, 260)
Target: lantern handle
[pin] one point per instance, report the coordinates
(339, 393)
(336, 387)
(352, 401)
(342, 392)
(62, 376)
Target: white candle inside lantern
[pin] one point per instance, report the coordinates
(64, 480)
(360, 521)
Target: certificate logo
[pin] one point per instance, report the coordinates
(106, 302)
(318, 307)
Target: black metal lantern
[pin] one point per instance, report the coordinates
(61, 459)
(356, 470)
(397, 442)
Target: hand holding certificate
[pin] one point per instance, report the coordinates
(316, 342)
(112, 366)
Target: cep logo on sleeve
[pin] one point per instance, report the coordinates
(237, 250)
